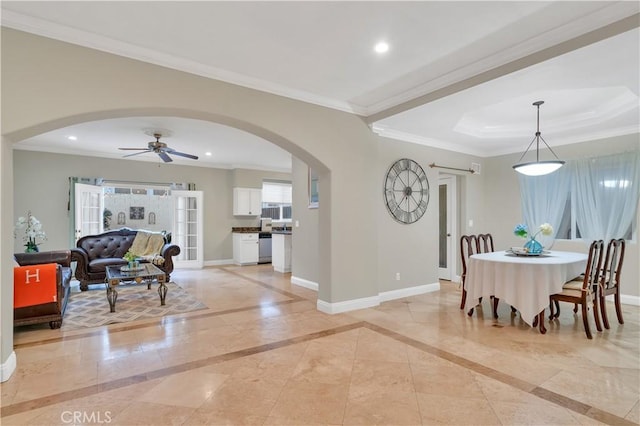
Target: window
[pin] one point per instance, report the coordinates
(590, 198)
(276, 200)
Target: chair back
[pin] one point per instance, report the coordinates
(594, 265)
(612, 266)
(485, 243)
(468, 246)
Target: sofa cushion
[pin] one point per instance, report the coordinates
(35, 285)
(100, 265)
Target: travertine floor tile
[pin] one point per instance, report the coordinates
(263, 354)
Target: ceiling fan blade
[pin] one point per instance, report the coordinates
(137, 153)
(134, 149)
(164, 157)
(182, 154)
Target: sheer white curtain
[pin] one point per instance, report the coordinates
(543, 199)
(606, 193)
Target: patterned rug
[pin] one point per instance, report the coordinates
(91, 308)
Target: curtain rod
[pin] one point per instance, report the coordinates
(432, 165)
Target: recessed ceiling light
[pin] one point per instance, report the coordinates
(72, 138)
(207, 153)
(381, 47)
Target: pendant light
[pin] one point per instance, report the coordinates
(538, 168)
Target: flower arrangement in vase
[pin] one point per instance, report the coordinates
(32, 233)
(132, 259)
(533, 246)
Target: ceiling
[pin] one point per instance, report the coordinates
(458, 75)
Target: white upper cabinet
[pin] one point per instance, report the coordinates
(247, 201)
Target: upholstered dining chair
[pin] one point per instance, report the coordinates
(468, 246)
(585, 293)
(610, 279)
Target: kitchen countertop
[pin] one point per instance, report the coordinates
(254, 229)
(281, 230)
(245, 229)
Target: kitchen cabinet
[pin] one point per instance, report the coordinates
(281, 252)
(245, 248)
(247, 201)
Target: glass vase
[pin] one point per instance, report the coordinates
(533, 246)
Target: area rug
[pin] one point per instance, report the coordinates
(91, 308)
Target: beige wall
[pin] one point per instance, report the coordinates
(304, 241)
(6, 260)
(413, 250)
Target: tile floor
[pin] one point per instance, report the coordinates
(262, 354)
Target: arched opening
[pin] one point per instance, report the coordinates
(288, 145)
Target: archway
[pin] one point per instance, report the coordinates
(273, 138)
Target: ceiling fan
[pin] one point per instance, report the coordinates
(159, 148)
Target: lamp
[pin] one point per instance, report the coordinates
(538, 168)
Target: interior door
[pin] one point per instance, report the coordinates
(187, 228)
(447, 228)
(89, 204)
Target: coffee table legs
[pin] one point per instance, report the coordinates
(112, 293)
(112, 296)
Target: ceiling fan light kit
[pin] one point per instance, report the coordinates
(538, 168)
(159, 148)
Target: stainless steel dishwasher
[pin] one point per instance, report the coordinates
(264, 247)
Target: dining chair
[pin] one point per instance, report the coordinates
(468, 246)
(587, 291)
(610, 279)
(485, 245)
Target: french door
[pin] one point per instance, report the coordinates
(187, 228)
(89, 203)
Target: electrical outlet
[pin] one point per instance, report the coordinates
(397, 276)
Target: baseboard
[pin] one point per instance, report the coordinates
(625, 299)
(409, 291)
(218, 262)
(368, 302)
(304, 283)
(8, 367)
(347, 305)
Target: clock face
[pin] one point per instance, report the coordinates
(406, 191)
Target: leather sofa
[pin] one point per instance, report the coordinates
(93, 253)
(51, 312)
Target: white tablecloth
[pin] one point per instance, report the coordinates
(522, 282)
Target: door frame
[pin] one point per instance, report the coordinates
(449, 180)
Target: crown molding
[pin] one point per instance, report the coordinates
(450, 146)
(20, 22)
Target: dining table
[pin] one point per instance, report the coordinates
(524, 281)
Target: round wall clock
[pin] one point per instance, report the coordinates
(406, 191)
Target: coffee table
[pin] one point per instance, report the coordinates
(147, 272)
